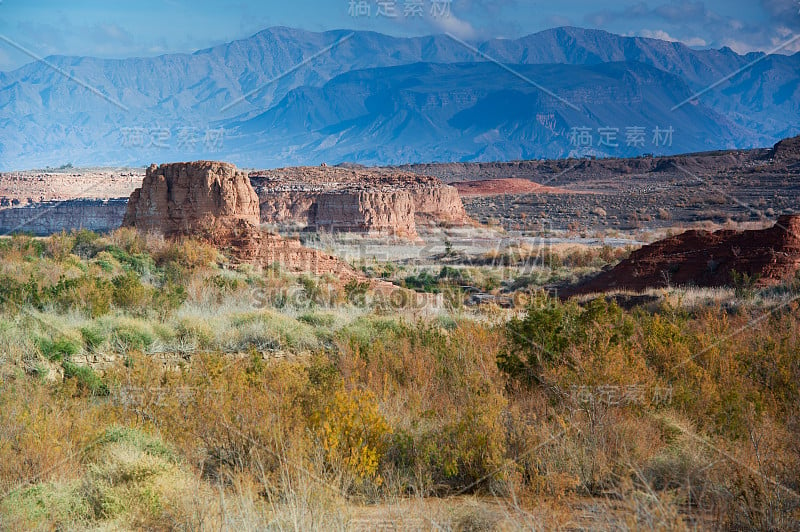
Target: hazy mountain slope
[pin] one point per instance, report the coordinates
(476, 111)
(579, 46)
(47, 118)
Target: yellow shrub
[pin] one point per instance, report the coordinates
(354, 434)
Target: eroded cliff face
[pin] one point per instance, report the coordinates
(378, 212)
(705, 259)
(375, 201)
(215, 202)
(186, 198)
(47, 218)
(438, 204)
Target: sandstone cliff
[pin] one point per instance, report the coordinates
(187, 198)
(701, 258)
(371, 201)
(437, 203)
(365, 211)
(215, 202)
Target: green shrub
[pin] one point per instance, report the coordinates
(129, 292)
(131, 335)
(317, 319)
(86, 378)
(356, 291)
(58, 349)
(422, 282)
(539, 341)
(90, 294)
(169, 298)
(140, 263)
(93, 337)
(14, 294)
(140, 441)
(86, 244)
(454, 275)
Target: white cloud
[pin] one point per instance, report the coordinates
(454, 25)
(664, 36)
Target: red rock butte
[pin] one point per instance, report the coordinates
(215, 202)
(704, 259)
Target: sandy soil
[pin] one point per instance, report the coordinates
(496, 187)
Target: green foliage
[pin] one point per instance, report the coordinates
(317, 319)
(87, 380)
(169, 298)
(139, 440)
(90, 294)
(129, 292)
(86, 244)
(140, 263)
(56, 350)
(355, 291)
(93, 337)
(423, 282)
(14, 293)
(131, 335)
(541, 339)
(744, 285)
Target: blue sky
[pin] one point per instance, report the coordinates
(122, 28)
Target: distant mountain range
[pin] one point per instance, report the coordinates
(363, 97)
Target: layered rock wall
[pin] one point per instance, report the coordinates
(371, 212)
(438, 204)
(375, 202)
(215, 202)
(47, 218)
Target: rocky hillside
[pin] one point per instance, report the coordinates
(701, 258)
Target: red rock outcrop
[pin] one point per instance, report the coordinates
(375, 213)
(370, 201)
(215, 202)
(187, 198)
(705, 259)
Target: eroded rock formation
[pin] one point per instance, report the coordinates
(186, 198)
(215, 202)
(375, 201)
(705, 259)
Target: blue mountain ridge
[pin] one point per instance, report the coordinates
(380, 99)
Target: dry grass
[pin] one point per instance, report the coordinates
(372, 417)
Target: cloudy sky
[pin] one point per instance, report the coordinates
(123, 28)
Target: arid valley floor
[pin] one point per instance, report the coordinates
(394, 348)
